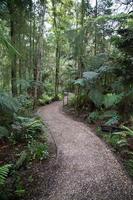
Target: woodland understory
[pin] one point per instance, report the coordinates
(53, 48)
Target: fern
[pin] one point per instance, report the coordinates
(127, 131)
(3, 132)
(4, 170)
(8, 103)
(113, 120)
(90, 76)
(93, 117)
(96, 97)
(80, 82)
(110, 100)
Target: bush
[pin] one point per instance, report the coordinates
(25, 128)
(38, 150)
(129, 165)
(73, 100)
(93, 117)
(45, 99)
(26, 104)
(8, 107)
(110, 100)
(4, 133)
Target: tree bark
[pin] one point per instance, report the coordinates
(95, 40)
(57, 51)
(12, 10)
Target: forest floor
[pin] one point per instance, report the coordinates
(85, 168)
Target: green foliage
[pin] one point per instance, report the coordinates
(129, 165)
(97, 61)
(114, 140)
(4, 133)
(93, 117)
(90, 76)
(4, 170)
(73, 100)
(113, 120)
(97, 97)
(20, 190)
(127, 132)
(8, 107)
(45, 99)
(8, 104)
(25, 128)
(79, 82)
(22, 160)
(110, 100)
(38, 150)
(25, 102)
(6, 43)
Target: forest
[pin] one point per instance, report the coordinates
(53, 50)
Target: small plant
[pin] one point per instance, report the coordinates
(129, 165)
(20, 190)
(113, 120)
(73, 100)
(22, 159)
(93, 117)
(38, 150)
(4, 170)
(45, 99)
(26, 104)
(112, 140)
(25, 128)
(4, 133)
(110, 100)
(126, 132)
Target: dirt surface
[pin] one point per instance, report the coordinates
(85, 168)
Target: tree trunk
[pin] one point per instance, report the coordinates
(57, 70)
(95, 41)
(13, 42)
(57, 51)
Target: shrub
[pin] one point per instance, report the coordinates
(73, 100)
(4, 133)
(129, 165)
(38, 150)
(110, 100)
(25, 128)
(45, 99)
(8, 107)
(93, 117)
(26, 104)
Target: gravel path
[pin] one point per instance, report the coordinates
(86, 168)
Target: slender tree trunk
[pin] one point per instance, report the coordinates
(20, 75)
(57, 53)
(13, 61)
(82, 50)
(95, 40)
(11, 8)
(57, 70)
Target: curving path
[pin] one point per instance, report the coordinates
(87, 169)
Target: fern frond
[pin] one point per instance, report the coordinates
(4, 170)
(8, 103)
